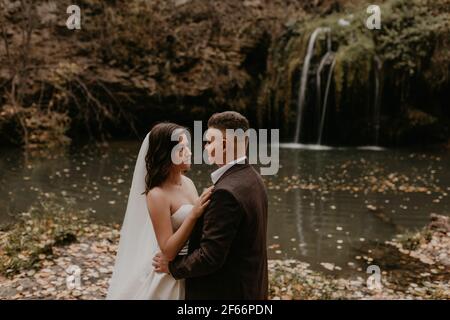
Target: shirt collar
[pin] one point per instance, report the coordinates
(215, 176)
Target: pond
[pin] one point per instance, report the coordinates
(324, 204)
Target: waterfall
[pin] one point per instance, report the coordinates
(325, 101)
(377, 99)
(304, 80)
(322, 96)
(327, 59)
(323, 62)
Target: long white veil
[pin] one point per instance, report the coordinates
(138, 243)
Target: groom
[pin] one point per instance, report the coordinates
(227, 257)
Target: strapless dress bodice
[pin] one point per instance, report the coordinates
(177, 220)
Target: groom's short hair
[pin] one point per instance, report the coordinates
(228, 120)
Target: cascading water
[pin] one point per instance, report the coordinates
(304, 80)
(377, 99)
(322, 64)
(322, 98)
(325, 101)
(327, 59)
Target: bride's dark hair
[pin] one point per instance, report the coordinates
(158, 160)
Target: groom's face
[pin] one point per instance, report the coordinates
(215, 146)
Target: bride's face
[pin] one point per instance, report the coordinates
(183, 154)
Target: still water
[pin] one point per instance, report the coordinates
(323, 204)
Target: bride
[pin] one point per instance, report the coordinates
(162, 209)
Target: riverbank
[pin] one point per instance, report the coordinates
(414, 266)
(39, 252)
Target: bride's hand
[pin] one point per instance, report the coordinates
(201, 203)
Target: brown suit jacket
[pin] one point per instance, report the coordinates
(227, 256)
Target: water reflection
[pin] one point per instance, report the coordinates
(323, 204)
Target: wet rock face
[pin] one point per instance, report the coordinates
(383, 82)
(138, 62)
(157, 59)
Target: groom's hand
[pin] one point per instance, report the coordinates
(161, 263)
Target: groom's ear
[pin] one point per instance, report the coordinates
(224, 149)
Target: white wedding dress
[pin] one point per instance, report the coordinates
(134, 277)
(162, 286)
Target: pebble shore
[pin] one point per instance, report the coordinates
(92, 256)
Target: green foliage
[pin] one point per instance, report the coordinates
(413, 40)
(122, 29)
(31, 239)
(353, 66)
(409, 34)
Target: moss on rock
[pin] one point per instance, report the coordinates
(412, 47)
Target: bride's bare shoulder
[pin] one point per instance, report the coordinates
(157, 195)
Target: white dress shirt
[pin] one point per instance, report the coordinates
(215, 176)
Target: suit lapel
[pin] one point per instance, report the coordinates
(194, 239)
